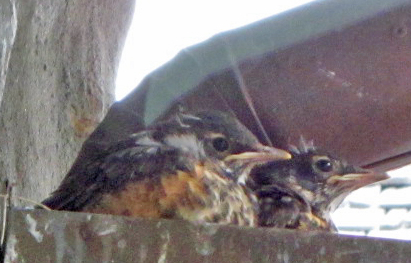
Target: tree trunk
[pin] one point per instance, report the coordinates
(58, 63)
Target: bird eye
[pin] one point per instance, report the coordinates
(324, 165)
(220, 144)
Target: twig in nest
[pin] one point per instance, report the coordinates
(6, 196)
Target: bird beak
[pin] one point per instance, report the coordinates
(262, 153)
(357, 179)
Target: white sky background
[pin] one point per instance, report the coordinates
(161, 28)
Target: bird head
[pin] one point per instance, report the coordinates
(217, 139)
(320, 178)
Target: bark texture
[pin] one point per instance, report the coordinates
(58, 62)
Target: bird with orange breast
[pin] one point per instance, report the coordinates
(190, 167)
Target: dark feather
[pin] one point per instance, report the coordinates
(123, 162)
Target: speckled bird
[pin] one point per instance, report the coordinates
(190, 167)
(302, 192)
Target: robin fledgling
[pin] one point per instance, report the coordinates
(302, 192)
(189, 167)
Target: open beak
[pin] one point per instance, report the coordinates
(357, 179)
(262, 154)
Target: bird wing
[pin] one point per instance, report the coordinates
(133, 159)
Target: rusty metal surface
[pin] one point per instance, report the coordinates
(349, 91)
(335, 71)
(42, 236)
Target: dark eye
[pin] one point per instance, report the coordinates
(324, 165)
(220, 144)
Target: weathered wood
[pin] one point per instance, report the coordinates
(41, 236)
(59, 83)
(8, 22)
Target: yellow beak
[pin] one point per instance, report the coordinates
(357, 180)
(266, 154)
